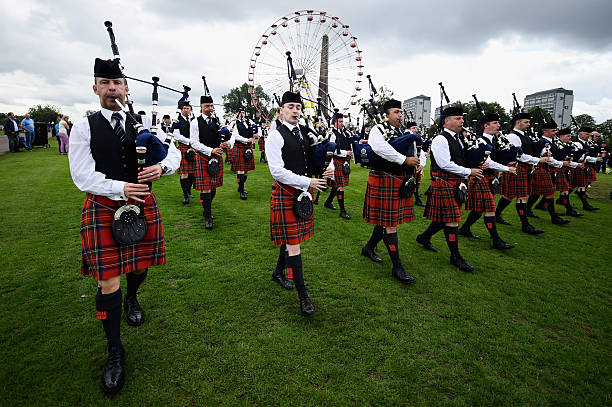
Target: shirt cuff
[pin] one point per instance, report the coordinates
(118, 189)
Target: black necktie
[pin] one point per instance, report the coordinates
(118, 128)
(297, 133)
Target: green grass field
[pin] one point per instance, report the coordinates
(532, 326)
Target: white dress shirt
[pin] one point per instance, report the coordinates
(333, 139)
(382, 148)
(551, 160)
(178, 136)
(587, 158)
(441, 153)
(83, 166)
(236, 135)
(516, 141)
(194, 137)
(494, 165)
(274, 145)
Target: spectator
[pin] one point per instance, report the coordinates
(56, 133)
(63, 135)
(11, 129)
(27, 125)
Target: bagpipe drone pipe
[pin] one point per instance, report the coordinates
(504, 152)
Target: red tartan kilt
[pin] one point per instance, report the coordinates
(591, 174)
(383, 205)
(541, 182)
(340, 179)
(203, 181)
(262, 144)
(187, 167)
(285, 227)
(238, 161)
(441, 205)
(480, 198)
(102, 257)
(579, 178)
(516, 185)
(560, 179)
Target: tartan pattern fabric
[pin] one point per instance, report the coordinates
(516, 185)
(285, 227)
(237, 157)
(101, 256)
(187, 167)
(591, 174)
(579, 177)
(202, 180)
(441, 205)
(340, 179)
(262, 144)
(560, 179)
(382, 204)
(541, 181)
(480, 198)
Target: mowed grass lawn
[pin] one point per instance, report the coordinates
(531, 326)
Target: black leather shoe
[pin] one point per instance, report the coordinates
(426, 243)
(499, 244)
(588, 207)
(329, 205)
(461, 263)
(368, 252)
(185, 200)
(501, 221)
(530, 214)
(209, 223)
(344, 215)
(467, 233)
(529, 229)
(279, 277)
(558, 220)
(133, 313)
(417, 201)
(572, 212)
(243, 195)
(305, 305)
(400, 274)
(113, 376)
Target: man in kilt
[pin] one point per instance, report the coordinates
(206, 140)
(290, 163)
(384, 205)
(262, 141)
(448, 171)
(342, 165)
(562, 176)
(241, 164)
(517, 185)
(480, 198)
(188, 163)
(103, 164)
(414, 129)
(585, 174)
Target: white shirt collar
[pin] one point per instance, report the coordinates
(289, 125)
(521, 132)
(488, 136)
(204, 116)
(108, 114)
(547, 138)
(452, 133)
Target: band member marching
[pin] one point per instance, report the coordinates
(584, 175)
(242, 160)
(262, 141)
(446, 192)
(385, 206)
(414, 129)
(291, 217)
(205, 139)
(562, 175)
(166, 124)
(103, 164)
(342, 165)
(188, 164)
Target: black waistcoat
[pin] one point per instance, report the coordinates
(115, 160)
(244, 129)
(457, 152)
(342, 140)
(526, 143)
(296, 153)
(182, 125)
(209, 135)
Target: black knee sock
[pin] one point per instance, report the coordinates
(205, 198)
(451, 239)
(191, 179)
(491, 225)
(521, 209)
(213, 193)
(185, 186)
(332, 195)
(108, 309)
(433, 228)
(531, 201)
(317, 198)
(550, 205)
(391, 242)
(565, 201)
(501, 205)
(134, 281)
(241, 179)
(340, 196)
(281, 261)
(416, 190)
(294, 271)
(471, 219)
(582, 196)
(377, 235)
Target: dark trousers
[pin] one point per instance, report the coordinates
(13, 143)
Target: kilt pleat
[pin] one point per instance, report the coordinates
(285, 226)
(516, 185)
(383, 205)
(340, 180)
(262, 144)
(441, 205)
(101, 256)
(238, 161)
(591, 173)
(560, 179)
(480, 198)
(186, 167)
(204, 181)
(541, 181)
(579, 177)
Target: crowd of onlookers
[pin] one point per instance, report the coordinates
(21, 134)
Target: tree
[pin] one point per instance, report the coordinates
(585, 120)
(605, 128)
(46, 114)
(240, 97)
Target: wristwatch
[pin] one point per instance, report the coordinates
(164, 169)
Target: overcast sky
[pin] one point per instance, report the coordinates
(491, 48)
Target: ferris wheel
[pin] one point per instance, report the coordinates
(323, 54)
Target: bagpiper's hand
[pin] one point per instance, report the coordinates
(149, 174)
(566, 163)
(349, 153)
(225, 145)
(412, 161)
(363, 141)
(543, 159)
(484, 165)
(512, 170)
(218, 151)
(318, 184)
(600, 159)
(512, 164)
(476, 173)
(419, 169)
(580, 165)
(328, 173)
(250, 140)
(137, 192)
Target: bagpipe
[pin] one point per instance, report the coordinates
(504, 152)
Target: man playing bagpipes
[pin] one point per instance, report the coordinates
(585, 175)
(291, 163)
(206, 139)
(563, 151)
(517, 185)
(388, 198)
(481, 191)
(448, 191)
(188, 164)
(342, 164)
(118, 238)
(262, 141)
(166, 124)
(414, 129)
(242, 152)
